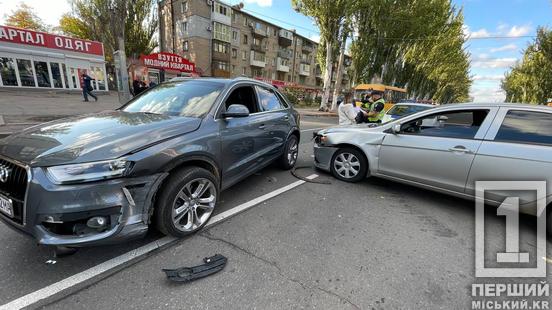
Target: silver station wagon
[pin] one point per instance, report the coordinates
(448, 149)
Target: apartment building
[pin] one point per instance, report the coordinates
(226, 41)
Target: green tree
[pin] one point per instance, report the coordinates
(329, 16)
(25, 17)
(417, 44)
(529, 80)
(106, 20)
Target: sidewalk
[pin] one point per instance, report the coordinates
(315, 112)
(23, 108)
(20, 109)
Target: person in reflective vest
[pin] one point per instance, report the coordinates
(377, 109)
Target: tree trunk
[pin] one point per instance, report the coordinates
(339, 73)
(327, 76)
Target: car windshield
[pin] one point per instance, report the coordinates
(404, 110)
(192, 98)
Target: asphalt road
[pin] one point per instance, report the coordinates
(372, 245)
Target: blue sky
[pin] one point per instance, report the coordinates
(484, 19)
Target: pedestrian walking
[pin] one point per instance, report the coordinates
(87, 87)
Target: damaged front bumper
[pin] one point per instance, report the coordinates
(323, 156)
(95, 213)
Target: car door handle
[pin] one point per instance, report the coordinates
(460, 149)
(263, 126)
(286, 118)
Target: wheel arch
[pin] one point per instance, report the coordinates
(197, 160)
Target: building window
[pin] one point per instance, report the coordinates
(220, 47)
(244, 71)
(245, 39)
(221, 65)
(42, 74)
(222, 32)
(245, 21)
(185, 46)
(7, 71)
(235, 35)
(244, 55)
(184, 7)
(26, 72)
(184, 28)
(234, 53)
(257, 73)
(221, 9)
(259, 56)
(233, 68)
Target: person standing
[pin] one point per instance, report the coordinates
(377, 108)
(87, 87)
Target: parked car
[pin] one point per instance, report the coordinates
(448, 149)
(403, 109)
(161, 159)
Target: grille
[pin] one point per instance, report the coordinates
(15, 188)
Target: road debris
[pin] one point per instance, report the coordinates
(212, 265)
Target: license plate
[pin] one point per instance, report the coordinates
(6, 206)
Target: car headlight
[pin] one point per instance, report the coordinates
(88, 172)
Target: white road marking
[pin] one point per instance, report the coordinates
(80, 278)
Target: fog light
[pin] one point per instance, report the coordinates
(97, 222)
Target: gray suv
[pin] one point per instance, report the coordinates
(161, 159)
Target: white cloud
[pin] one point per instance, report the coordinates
(504, 48)
(49, 11)
(493, 63)
(517, 31)
(264, 3)
(487, 77)
(487, 94)
(481, 33)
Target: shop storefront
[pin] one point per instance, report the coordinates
(31, 59)
(160, 67)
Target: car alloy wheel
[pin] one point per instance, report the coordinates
(293, 152)
(347, 165)
(194, 204)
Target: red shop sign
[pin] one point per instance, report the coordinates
(167, 61)
(49, 40)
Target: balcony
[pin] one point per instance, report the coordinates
(258, 62)
(308, 48)
(221, 18)
(305, 61)
(284, 53)
(258, 30)
(285, 38)
(281, 65)
(304, 70)
(258, 47)
(221, 73)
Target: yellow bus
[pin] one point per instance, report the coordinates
(391, 94)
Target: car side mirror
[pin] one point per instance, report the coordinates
(236, 110)
(442, 118)
(396, 129)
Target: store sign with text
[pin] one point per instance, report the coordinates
(168, 61)
(49, 40)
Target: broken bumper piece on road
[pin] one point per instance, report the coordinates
(212, 265)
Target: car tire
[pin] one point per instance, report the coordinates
(349, 165)
(291, 152)
(186, 202)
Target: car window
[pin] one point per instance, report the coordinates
(186, 98)
(404, 110)
(268, 100)
(458, 124)
(244, 95)
(526, 127)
